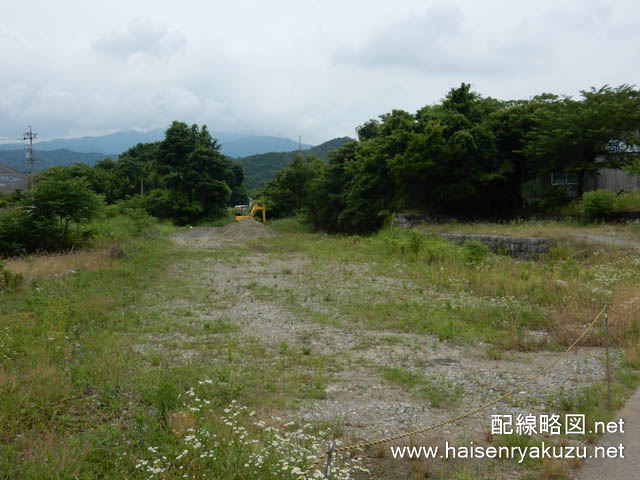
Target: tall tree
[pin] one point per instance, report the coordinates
(572, 135)
(194, 173)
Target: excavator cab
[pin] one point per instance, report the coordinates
(242, 211)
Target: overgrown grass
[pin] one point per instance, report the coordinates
(84, 393)
(460, 298)
(536, 228)
(289, 225)
(96, 365)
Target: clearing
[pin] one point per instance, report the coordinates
(140, 366)
(341, 326)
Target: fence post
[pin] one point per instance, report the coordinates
(327, 472)
(606, 337)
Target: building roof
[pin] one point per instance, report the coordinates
(12, 171)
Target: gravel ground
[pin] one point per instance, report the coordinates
(357, 397)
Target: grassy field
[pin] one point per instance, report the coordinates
(234, 362)
(540, 228)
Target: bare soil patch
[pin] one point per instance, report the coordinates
(246, 229)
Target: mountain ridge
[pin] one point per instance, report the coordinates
(15, 159)
(233, 145)
(260, 168)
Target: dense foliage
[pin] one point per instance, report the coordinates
(468, 155)
(183, 178)
(55, 203)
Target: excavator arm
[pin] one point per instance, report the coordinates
(255, 208)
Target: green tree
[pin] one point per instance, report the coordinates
(289, 192)
(327, 190)
(422, 168)
(572, 135)
(190, 165)
(63, 201)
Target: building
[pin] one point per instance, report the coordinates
(11, 180)
(613, 179)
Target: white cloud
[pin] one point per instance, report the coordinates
(443, 41)
(276, 68)
(141, 37)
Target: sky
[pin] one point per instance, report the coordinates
(315, 69)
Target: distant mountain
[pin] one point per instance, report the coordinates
(259, 169)
(111, 144)
(233, 144)
(44, 159)
(245, 146)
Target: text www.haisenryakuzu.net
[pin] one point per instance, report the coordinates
(518, 453)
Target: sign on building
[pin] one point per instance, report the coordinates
(11, 180)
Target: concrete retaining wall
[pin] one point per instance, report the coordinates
(519, 247)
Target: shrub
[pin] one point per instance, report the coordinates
(11, 233)
(629, 201)
(54, 206)
(475, 251)
(174, 205)
(437, 249)
(547, 199)
(598, 204)
(416, 242)
(8, 279)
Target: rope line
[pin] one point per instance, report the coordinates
(360, 446)
(632, 312)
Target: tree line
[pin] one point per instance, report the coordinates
(467, 155)
(183, 178)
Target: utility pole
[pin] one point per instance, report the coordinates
(30, 136)
(300, 143)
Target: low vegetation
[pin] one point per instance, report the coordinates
(134, 367)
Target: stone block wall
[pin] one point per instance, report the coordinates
(526, 248)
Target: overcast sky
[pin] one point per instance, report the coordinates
(288, 68)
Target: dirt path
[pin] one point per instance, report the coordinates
(608, 240)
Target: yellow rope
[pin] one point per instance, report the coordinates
(359, 446)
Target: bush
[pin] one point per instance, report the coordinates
(54, 205)
(11, 233)
(475, 251)
(598, 204)
(8, 279)
(548, 199)
(629, 201)
(173, 205)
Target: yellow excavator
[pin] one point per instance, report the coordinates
(241, 211)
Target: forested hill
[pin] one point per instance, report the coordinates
(258, 169)
(44, 159)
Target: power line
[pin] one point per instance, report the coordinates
(30, 136)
